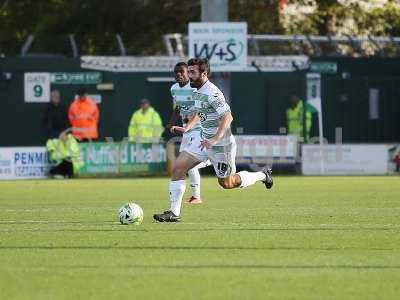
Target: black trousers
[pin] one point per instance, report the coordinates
(65, 168)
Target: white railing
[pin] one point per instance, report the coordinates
(176, 44)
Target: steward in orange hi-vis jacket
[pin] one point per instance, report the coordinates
(83, 115)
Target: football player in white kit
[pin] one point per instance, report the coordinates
(216, 142)
(180, 93)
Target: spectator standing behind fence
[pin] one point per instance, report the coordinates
(145, 125)
(54, 119)
(295, 119)
(65, 153)
(83, 115)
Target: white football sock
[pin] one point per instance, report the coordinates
(176, 191)
(194, 176)
(249, 178)
(203, 164)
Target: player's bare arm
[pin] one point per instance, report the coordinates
(192, 121)
(172, 121)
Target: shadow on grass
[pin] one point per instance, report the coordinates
(175, 228)
(233, 266)
(116, 247)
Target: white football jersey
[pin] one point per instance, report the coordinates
(183, 99)
(211, 106)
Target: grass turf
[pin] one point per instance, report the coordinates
(307, 238)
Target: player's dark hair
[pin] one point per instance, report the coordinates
(203, 64)
(181, 64)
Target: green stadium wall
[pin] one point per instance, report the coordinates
(258, 100)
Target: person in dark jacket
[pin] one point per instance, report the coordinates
(55, 118)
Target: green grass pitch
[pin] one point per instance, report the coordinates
(307, 238)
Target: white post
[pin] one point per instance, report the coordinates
(314, 99)
(217, 11)
(321, 142)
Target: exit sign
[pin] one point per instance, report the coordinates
(77, 78)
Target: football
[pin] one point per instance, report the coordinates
(130, 213)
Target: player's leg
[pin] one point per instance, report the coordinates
(189, 139)
(230, 182)
(190, 157)
(203, 164)
(225, 167)
(183, 163)
(194, 176)
(226, 172)
(244, 179)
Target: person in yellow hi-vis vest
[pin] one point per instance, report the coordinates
(65, 153)
(296, 120)
(145, 125)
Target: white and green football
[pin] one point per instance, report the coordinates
(131, 213)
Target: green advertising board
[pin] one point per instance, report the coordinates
(123, 159)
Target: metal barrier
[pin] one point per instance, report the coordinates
(176, 44)
(316, 45)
